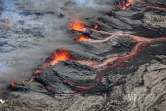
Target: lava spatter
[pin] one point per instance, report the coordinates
(37, 70)
(77, 26)
(81, 38)
(14, 84)
(59, 55)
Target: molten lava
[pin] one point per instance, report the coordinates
(32, 80)
(130, 1)
(81, 38)
(45, 64)
(152, 7)
(78, 26)
(96, 26)
(59, 55)
(125, 5)
(37, 70)
(14, 84)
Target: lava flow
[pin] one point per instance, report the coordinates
(116, 61)
(78, 26)
(59, 55)
(140, 41)
(152, 7)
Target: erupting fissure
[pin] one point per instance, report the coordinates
(113, 62)
(81, 38)
(110, 63)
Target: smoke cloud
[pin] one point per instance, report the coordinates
(89, 3)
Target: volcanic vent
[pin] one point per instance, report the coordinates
(107, 50)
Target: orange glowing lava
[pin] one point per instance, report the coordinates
(45, 64)
(14, 84)
(129, 1)
(78, 26)
(126, 5)
(81, 38)
(32, 80)
(96, 26)
(37, 71)
(59, 55)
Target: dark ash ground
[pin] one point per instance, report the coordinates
(32, 30)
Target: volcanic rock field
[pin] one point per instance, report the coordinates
(80, 55)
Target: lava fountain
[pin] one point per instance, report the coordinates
(77, 26)
(59, 55)
(14, 84)
(81, 38)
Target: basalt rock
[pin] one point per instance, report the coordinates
(136, 84)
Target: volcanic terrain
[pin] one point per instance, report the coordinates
(80, 55)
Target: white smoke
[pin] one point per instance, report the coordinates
(3, 67)
(89, 3)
